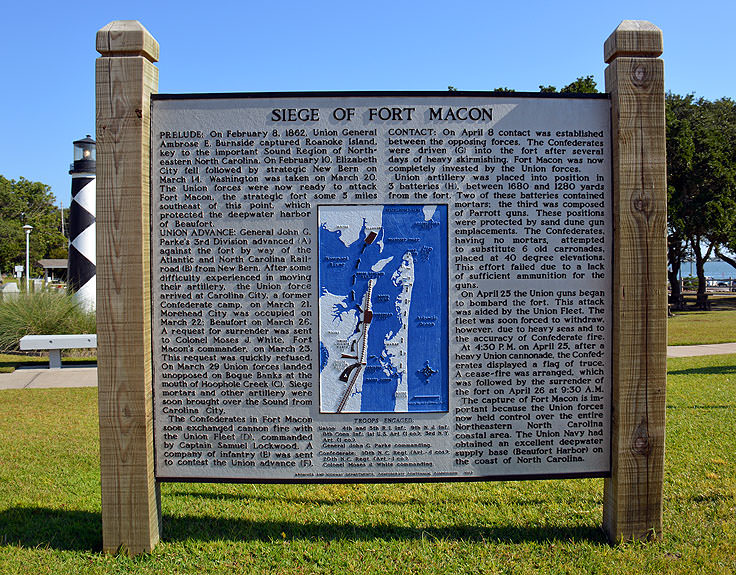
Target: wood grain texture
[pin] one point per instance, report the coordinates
(130, 498)
(637, 38)
(633, 494)
(127, 38)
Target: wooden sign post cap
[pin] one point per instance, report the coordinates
(127, 38)
(637, 38)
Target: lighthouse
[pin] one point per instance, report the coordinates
(82, 268)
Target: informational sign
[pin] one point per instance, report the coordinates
(371, 287)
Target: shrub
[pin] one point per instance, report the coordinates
(690, 283)
(41, 313)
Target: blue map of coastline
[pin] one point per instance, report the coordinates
(407, 236)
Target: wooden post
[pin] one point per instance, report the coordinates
(635, 79)
(125, 77)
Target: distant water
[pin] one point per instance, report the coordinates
(715, 269)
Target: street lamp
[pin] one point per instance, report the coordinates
(27, 229)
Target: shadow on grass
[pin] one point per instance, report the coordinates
(8, 362)
(705, 370)
(64, 530)
(712, 498)
(289, 499)
(723, 303)
(39, 527)
(728, 406)
(336, 501)
(210, 528)
(719, 302)
(9, 365)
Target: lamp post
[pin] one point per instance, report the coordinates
(27, 229)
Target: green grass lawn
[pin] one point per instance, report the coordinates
(703, 327)
(50, 506)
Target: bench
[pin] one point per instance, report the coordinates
(55, 343)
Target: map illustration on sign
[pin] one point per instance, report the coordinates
(383, 308)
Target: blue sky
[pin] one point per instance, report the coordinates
(48, 53)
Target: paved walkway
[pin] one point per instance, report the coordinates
(37, 378)
(691, 350)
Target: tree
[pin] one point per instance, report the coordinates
(680, 150)
(701, 182)
(723, 118)
(583, 85)
(25, 202)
